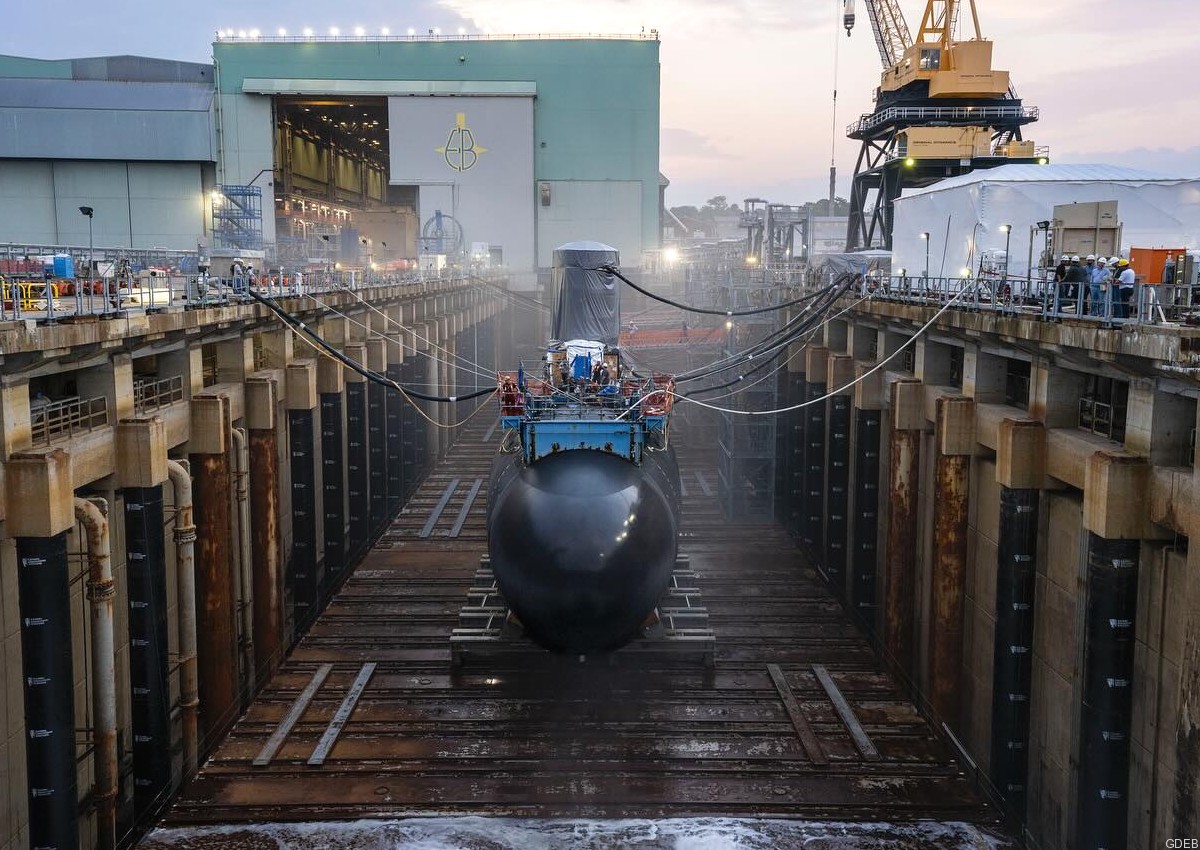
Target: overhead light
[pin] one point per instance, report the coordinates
(925, 235)
(1004, 228)
(282, 32)
(385, 31)
(360, 32)
(334, 31)
(910, 162)
(241, 33)
(308, 33)
(1042, 160)
(254, 33)
(462, 30)
(412, 31)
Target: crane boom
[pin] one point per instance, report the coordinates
(892, 35)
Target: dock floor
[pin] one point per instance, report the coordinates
(797, 720)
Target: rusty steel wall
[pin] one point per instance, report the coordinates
(904, 464)
(951, 482)
(215, 601)
(265, 551)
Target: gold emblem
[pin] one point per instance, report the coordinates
(460, 150)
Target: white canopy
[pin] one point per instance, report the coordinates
(965, 212)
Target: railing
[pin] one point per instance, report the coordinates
(65, 298)
(941, 113)
(56, 420)
(1104, 304)
(155, 395)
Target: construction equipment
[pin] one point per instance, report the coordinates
(940, 110)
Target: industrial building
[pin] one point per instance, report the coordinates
(312, 150)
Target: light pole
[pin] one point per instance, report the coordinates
(925, 274)
(90, 213)
(1006, 229)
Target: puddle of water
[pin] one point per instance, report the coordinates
(478, 833)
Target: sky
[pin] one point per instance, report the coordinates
(747, 85)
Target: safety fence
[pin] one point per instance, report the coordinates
(52, 421)
(1104, 304)
(58, 299)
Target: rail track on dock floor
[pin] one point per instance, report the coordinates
(796, 719)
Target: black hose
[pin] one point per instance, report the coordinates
(771, 346)
(369, 374)
(613, 271)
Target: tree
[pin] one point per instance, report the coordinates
(717, 205)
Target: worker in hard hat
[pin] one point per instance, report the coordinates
(1076, 278)
(1100, 287)
(1060, 271)
(1092, 305)
(1126, 281)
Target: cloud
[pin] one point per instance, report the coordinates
(676, 142)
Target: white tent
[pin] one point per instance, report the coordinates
(963, 214)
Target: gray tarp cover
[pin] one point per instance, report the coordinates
(589, 301)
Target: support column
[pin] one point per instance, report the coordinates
(955, 439)
(303, 578)
(395, 431)
(1113, 484)
(262, 400)
(377, 444)
(1020, 465)
(40, 511)
(215, 606)
(1107, 708)
(357, 461)
(331, 385)
(433, 381)
(141, 472)
(793, 439)
(864, 561)
(815, 363)
(900, 555)
(837, 473)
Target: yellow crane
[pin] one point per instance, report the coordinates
(940, 109)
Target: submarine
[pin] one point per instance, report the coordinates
(583, 505)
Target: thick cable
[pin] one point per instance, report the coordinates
(809, 334)
(770, 345)
(731, 313)
(840, 389)
(472, 368)
(369, 374)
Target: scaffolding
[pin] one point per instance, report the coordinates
(746, 444)
(237, 218)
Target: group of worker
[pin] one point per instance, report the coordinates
(1099, 279)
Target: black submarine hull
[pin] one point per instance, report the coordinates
(583, 543)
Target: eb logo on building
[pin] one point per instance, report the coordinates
(460, 150)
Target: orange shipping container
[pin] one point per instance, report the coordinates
(1148, 263)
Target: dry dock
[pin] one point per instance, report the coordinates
(794, 720)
